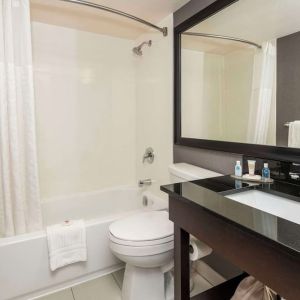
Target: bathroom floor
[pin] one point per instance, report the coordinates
(109, 287)
(104, 288)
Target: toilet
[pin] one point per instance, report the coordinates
(145, 242)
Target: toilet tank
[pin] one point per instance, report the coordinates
(181, 172)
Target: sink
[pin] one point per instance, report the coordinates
(272, 204)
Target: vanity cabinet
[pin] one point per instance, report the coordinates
(201, 208)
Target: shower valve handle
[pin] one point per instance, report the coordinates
(148, 155)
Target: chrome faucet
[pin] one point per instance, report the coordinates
(295, 174)
(148, 155)
(145, 182)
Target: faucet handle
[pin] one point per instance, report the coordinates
(148, 155)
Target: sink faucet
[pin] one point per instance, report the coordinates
(295, 173)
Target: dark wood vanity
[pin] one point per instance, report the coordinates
(201, 208)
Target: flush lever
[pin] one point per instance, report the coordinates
(148, 155)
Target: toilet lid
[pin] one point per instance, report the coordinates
(146, 226)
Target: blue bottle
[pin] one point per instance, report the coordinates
(265, 172)
(238, 169)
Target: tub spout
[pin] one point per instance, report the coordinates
(145, 182)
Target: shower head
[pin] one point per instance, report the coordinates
(138, 50)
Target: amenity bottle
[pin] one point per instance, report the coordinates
(238, 169)
(265, 172)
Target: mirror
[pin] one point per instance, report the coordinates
(240, 75)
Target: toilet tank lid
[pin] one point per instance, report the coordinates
(191, 172)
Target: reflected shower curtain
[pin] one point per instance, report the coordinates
(20, 210)
(263, 93)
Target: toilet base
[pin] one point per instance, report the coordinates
(143, 283)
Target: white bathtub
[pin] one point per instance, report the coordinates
(24, 267)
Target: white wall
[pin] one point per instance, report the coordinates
(154, 103)
(98, 107)
(202, 91)
(85, 110)
(238, 73)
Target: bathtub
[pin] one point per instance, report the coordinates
(24, 266)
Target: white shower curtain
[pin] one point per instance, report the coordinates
(263, 93)
(20, 210)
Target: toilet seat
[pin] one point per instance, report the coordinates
(141, 243)
(143, 234)
(141, 250)
(143, 229)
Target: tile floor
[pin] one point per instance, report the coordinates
(104, 288)
(109, 287)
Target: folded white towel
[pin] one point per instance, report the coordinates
(294, 134)
(66, 243)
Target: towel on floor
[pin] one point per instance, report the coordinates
(251, 289)
(66, 243)
(294, 134)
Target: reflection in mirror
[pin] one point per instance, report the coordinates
(240, 73)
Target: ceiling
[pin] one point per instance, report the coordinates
(254, 20)
(89, 19)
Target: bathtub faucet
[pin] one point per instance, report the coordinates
(145, 182)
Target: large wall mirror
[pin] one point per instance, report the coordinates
(238, 67)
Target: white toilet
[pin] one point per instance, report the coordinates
(145, 243)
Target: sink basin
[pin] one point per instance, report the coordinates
(272, 204)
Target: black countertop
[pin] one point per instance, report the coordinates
(211, 194)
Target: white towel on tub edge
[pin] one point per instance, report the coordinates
(66, 243)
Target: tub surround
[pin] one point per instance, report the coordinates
(86, 83)
(252, 239)
(111, 98)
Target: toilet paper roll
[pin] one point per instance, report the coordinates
(198, 249)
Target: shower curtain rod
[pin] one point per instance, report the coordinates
(223, 37)
(163, 30)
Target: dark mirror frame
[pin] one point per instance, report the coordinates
(261, 151)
